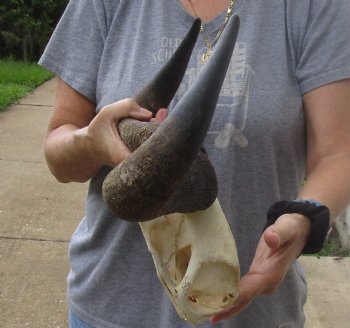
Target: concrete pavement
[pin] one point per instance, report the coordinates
(38, 215)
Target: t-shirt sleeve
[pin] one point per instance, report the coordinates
(75, 48)
(323, 47)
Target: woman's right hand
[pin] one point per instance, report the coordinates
(101, 135)
(79, 141)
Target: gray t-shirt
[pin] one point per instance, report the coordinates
(108, 49)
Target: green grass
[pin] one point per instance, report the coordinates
(332, 247)
(19, 78)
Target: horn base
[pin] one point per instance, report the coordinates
(132, 193)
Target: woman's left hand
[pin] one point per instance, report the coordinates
(279, 246)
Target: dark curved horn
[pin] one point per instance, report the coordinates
(159, 92)
(140, 186)
(199, 187)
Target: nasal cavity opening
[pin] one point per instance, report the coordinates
(183, 257)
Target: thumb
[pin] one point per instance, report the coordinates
(280, 232)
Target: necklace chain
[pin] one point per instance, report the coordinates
(206, 55)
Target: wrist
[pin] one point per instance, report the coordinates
(84, 145)
(303, 227)
(78, 163)
(314, 232)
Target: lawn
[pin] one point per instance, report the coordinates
(332, 247)
(19, 78)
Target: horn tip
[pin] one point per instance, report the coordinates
(236, 20)
(197, 23)
(197, 20)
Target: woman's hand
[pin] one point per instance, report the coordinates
(279, 246)
(101, 135)
(79, 142)
(161, 115)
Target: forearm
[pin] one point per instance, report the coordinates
(329, 182)
(68, 156)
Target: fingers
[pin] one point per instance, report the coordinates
(250, 286)
(279, 246)
(161, 115)
(141, 114)
(224, 314)
(126, 108)
(103, 140)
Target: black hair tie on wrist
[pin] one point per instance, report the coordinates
(317, 214)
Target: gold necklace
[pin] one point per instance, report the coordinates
(206, 55)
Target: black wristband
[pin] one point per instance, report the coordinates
(317, 214)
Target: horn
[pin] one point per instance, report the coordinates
(199, 187)
(159, 92)
(138, 188)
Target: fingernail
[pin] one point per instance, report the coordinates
(146, 111)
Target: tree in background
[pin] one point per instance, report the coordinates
(26, 26)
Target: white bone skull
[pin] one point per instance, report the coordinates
(196, 261)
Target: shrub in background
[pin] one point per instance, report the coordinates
(26, 26)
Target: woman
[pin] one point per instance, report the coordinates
(283, 114)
